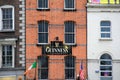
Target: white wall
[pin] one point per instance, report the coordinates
(97, 47)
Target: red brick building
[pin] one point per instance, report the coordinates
(56, 38)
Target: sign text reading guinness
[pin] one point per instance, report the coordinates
(56, 47)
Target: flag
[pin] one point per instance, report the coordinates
(31, 67)
(81, 71)
(96, 1)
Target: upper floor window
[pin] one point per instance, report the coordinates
(7, 18)
(105, 29)
(43, 67)
(69, 32)
(69, 4)
(43, 32)
(43, 4)
(69, 67)
(105, 67)
(7, 56)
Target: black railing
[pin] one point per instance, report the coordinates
(104, 1)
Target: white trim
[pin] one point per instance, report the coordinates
(69, 8)
(13, 15)
(107, 52)
(8, 39)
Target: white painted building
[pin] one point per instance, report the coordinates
(103, 41)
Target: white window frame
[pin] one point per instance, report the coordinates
(42, 8)
(68, 32)
(43, 32)
(69, 8)
(105, 32)
(105, 65)
(13, 14)
(12, 42)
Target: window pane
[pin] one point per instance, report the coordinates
(105, 56)
(7, 18)
(43, 37)
(105, 35)
(69, 73)
(70, 62)
(69, 3)
(105, 67)
(43, 74)
(69, 38)
(43, 62)
(69, 26)
(105, 23)
(105, 63)
(7, 56)
(43, 26)
(43, 3)
(104, 29)
(106, 74)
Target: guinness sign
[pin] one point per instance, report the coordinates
(56, 47)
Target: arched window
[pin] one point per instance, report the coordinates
(105, 67)
(105, 29)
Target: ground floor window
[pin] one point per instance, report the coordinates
(105, 67)
(42, 67)
(69, 67)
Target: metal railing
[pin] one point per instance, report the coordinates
(104, 2)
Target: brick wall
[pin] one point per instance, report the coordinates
(56, 17)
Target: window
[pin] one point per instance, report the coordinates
(105, 67)
(7, 19)
(69, 4)
(43, 32)
(105, 29)
(42, 67)
(69, 67)
(69, 32)
(42, 4)
(7, 56)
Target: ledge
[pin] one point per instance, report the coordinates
(41, 44)
(39, 9)
(90, 5)
(12, 69)
(70, 10)
(109, 39)
(4, 31)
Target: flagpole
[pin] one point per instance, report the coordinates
(35, 70)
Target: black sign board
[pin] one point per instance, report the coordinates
(57, 48)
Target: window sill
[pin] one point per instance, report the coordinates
(69, 10)
(43, 9)
(105, 39)
(70, 44)
(40, 44)
(7, 30)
